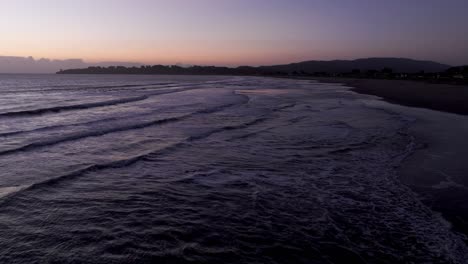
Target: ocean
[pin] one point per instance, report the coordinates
(207, 169)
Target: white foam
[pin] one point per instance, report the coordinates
(5, 191)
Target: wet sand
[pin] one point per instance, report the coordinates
(440, 97)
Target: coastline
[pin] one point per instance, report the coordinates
(440, 97)
(437, 170)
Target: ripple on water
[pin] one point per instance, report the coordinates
(262, 181)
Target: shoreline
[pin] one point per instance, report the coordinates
(436, 171)
(440, 97)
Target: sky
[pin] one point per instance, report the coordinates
(234, 32)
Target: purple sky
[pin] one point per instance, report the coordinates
(234, 32)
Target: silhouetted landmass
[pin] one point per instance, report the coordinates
(166, 70)
(372, 65)
(372, 68)
(397, 65)
(459, 71)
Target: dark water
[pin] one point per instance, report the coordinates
(145, 169)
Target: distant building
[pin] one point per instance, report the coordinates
(402, 75)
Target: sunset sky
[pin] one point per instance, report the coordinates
(228, 32)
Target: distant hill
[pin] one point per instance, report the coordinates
(342, 66)
(396, 65)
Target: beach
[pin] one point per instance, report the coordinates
(441, 97)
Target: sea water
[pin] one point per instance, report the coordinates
(207, 169)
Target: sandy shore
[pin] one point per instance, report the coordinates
(441, 97)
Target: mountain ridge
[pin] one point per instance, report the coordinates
(401, 65)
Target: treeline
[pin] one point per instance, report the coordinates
(451, 75)
(172, 70)
(370, 65)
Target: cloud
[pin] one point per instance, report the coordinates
(15, 64)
